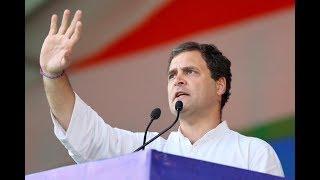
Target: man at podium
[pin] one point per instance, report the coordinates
(199, 75)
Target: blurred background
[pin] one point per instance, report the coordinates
(119, 66)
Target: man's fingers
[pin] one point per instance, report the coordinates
(76, 35)
(64, 22)
(76, 18)
(53, 25)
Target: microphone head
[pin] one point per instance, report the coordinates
(179, 106)
(155, 114)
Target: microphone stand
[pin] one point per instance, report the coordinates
(145, 134)
(162, 132)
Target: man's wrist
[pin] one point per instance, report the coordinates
(51, 75)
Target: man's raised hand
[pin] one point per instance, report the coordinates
(58, 45)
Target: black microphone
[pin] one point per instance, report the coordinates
(178, 107)
(155, 114)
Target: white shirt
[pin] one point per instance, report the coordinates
(89, 138)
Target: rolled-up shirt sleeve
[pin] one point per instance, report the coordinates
(89, 138)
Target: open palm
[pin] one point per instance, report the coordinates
(58, 44)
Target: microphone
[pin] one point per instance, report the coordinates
(178, 107)
(155, 114)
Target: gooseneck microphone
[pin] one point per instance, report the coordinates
(178, 107)
(155, 114)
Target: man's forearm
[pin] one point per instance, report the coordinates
(61, 98)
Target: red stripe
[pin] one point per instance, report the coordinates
(181, 18)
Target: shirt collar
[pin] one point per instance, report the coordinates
(214, 133)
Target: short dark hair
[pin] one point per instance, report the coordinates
(217, 63)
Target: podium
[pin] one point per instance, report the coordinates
(149, 165)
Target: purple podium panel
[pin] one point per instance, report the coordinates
(149, 165)
(131, 166)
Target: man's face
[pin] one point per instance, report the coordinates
(189, 81)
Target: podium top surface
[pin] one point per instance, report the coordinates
(149, 164)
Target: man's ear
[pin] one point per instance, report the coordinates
(221, 86)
